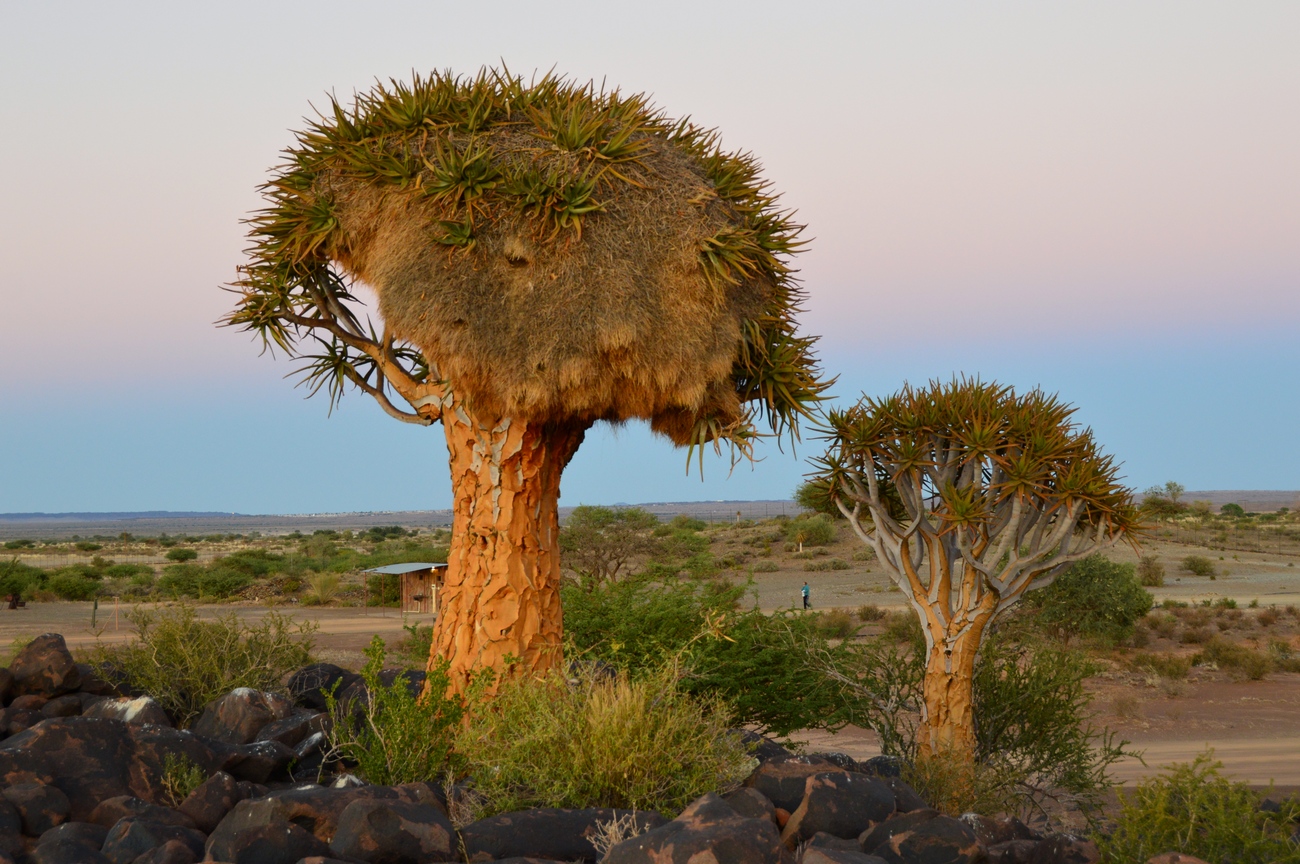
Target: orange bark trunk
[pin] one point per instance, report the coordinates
(500, 604)
(948, 693)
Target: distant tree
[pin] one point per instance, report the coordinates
(181, 554)
(599, 543)
(1001, 494)
(546, 256)
(1094, 598)
(1234, 510)
(1164, 501)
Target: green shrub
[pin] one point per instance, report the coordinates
(19, 578)
(324, 587)
(88, 546)
(214, 581)
(1169, 666)
(1234, 510)
(181, 776)
(817, 566)
(757, 662)
(19, 544)
(73, 586)
(1198, 565)
(870, 612)
(184, 662)
(1150, 572)
(180, 554)
(835, 624)
(415, 647)
(904, 627)
(602, 741)
(683, 522)
(815, 530)
(1236, 658)
(1032, 727)
(1095, 598)
(396, 737)
(1193, 810)
(766, 567)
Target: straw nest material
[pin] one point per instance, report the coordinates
(557, 254)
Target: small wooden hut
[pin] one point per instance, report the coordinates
(419, 583)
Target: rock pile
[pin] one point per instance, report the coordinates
(84, 771)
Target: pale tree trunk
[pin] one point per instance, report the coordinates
(948, 693)
(499, 608)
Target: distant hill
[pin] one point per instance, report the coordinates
(108, 517)
(153, 523)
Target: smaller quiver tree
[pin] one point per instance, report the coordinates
(970, 496)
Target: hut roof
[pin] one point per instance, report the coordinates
(401, 569)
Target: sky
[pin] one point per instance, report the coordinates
(1101, 199)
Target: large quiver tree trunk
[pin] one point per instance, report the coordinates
(499, 608)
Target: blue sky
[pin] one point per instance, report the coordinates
(1102, 199)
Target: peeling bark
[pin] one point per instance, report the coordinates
(948, 693)
(499, 607)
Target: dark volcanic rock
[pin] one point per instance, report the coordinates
(131, 838)
(114, 810)
(6, 684)
(544, 833)
(45, 666)
(782, 780)
(762, 749)
(92, 759)
(839, 803)
(93, 684)
(990, 830)
(1011, 852)
(76, 832)
(841, 760)
(171, 852)
(1065, 849)
(748, 801)
(40, 806)
(237, 717)
(62, 706)
(30, 702)
(882, 766)
(276, 842)
(66, 852)
(11, 821)
(905, 798)
(291, 730)
(394, 832)
(19, 720)
(872, 838)
(709, 826)
(139, 711)
(822, 840)
(212, 800)
(258, 761)
(817, 855)
(316, 808)
(941, 840)
(309, 684)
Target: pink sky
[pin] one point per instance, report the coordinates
(970, 174)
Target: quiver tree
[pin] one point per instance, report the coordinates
(545, 256)
(970, 496)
